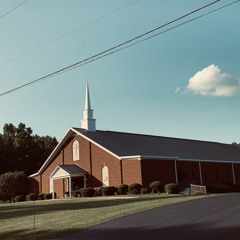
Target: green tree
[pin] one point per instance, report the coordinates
(22, 151)
(236, 144)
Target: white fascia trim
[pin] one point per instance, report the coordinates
(137, 157)
(200, 160)
(90, 140)
(141, 157)
(33, 175)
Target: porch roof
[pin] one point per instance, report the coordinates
(63, 171)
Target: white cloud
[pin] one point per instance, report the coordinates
(212, 82)
(177, 90)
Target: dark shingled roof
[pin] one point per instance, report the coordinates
(73, 169)
(128, 144)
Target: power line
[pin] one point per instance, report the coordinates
(114, 49)
(5, 14)
(152, 36)
(68, 33)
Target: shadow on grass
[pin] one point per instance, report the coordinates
(12, 210)
(26, 234)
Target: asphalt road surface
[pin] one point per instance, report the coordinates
(214, 218)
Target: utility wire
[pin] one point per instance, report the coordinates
(5, 14)
(147, 38)
(114, 49)
(68, 33)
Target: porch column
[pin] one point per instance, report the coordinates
(70, 187)
(175, 167)
(53, 195)
(200, 172)
(234, 181)
(85, 181)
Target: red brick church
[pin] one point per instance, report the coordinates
(87, 157)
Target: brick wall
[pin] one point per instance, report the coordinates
(131, 171)
(216, 173)
(158, 170)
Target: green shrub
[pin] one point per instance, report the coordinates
(172, 188)
(5, 198)
(135, 188)
(76, 193)
(219, 188)
(157, 187)
(13, 183)
(31, 197)
(87, 192)
(144, 191)
(41, 196)
(98, 191)
(47, 196)
(108, 191)
(20, 198)
(122, 189)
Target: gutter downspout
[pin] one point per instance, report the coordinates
(175, 167)
(234, 180)
(200, 172)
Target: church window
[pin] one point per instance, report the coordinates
(75, 150)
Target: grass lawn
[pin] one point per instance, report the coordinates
(56, 217)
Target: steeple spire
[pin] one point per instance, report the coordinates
(87, 100)
(88, 122)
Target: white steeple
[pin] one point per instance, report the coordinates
(88, 122)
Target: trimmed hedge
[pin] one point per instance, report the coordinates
(172, 188)
(31, 197)
(76, 193)
(87, 192)
(219, 188)
(135, 188)
(47, 196)
(122, 189)
(5, 198)
(157, 187)
(41, 196)
(144, 191)
(20, 198)
(108, 191)
(98, 191)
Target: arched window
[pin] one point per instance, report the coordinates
(105, 176)
(75, 150)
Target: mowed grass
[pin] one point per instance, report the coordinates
(56, 217)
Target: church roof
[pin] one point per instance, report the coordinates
(139, 146)
(144, 146)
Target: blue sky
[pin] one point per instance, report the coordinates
(183, 83)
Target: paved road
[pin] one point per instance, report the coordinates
(215, 218)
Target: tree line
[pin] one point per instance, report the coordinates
(20, 150)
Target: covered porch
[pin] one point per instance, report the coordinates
(73, 176)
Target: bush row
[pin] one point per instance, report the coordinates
(123, 189)
(32, 197)
(135, 188)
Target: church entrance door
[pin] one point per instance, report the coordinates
(105, 176)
